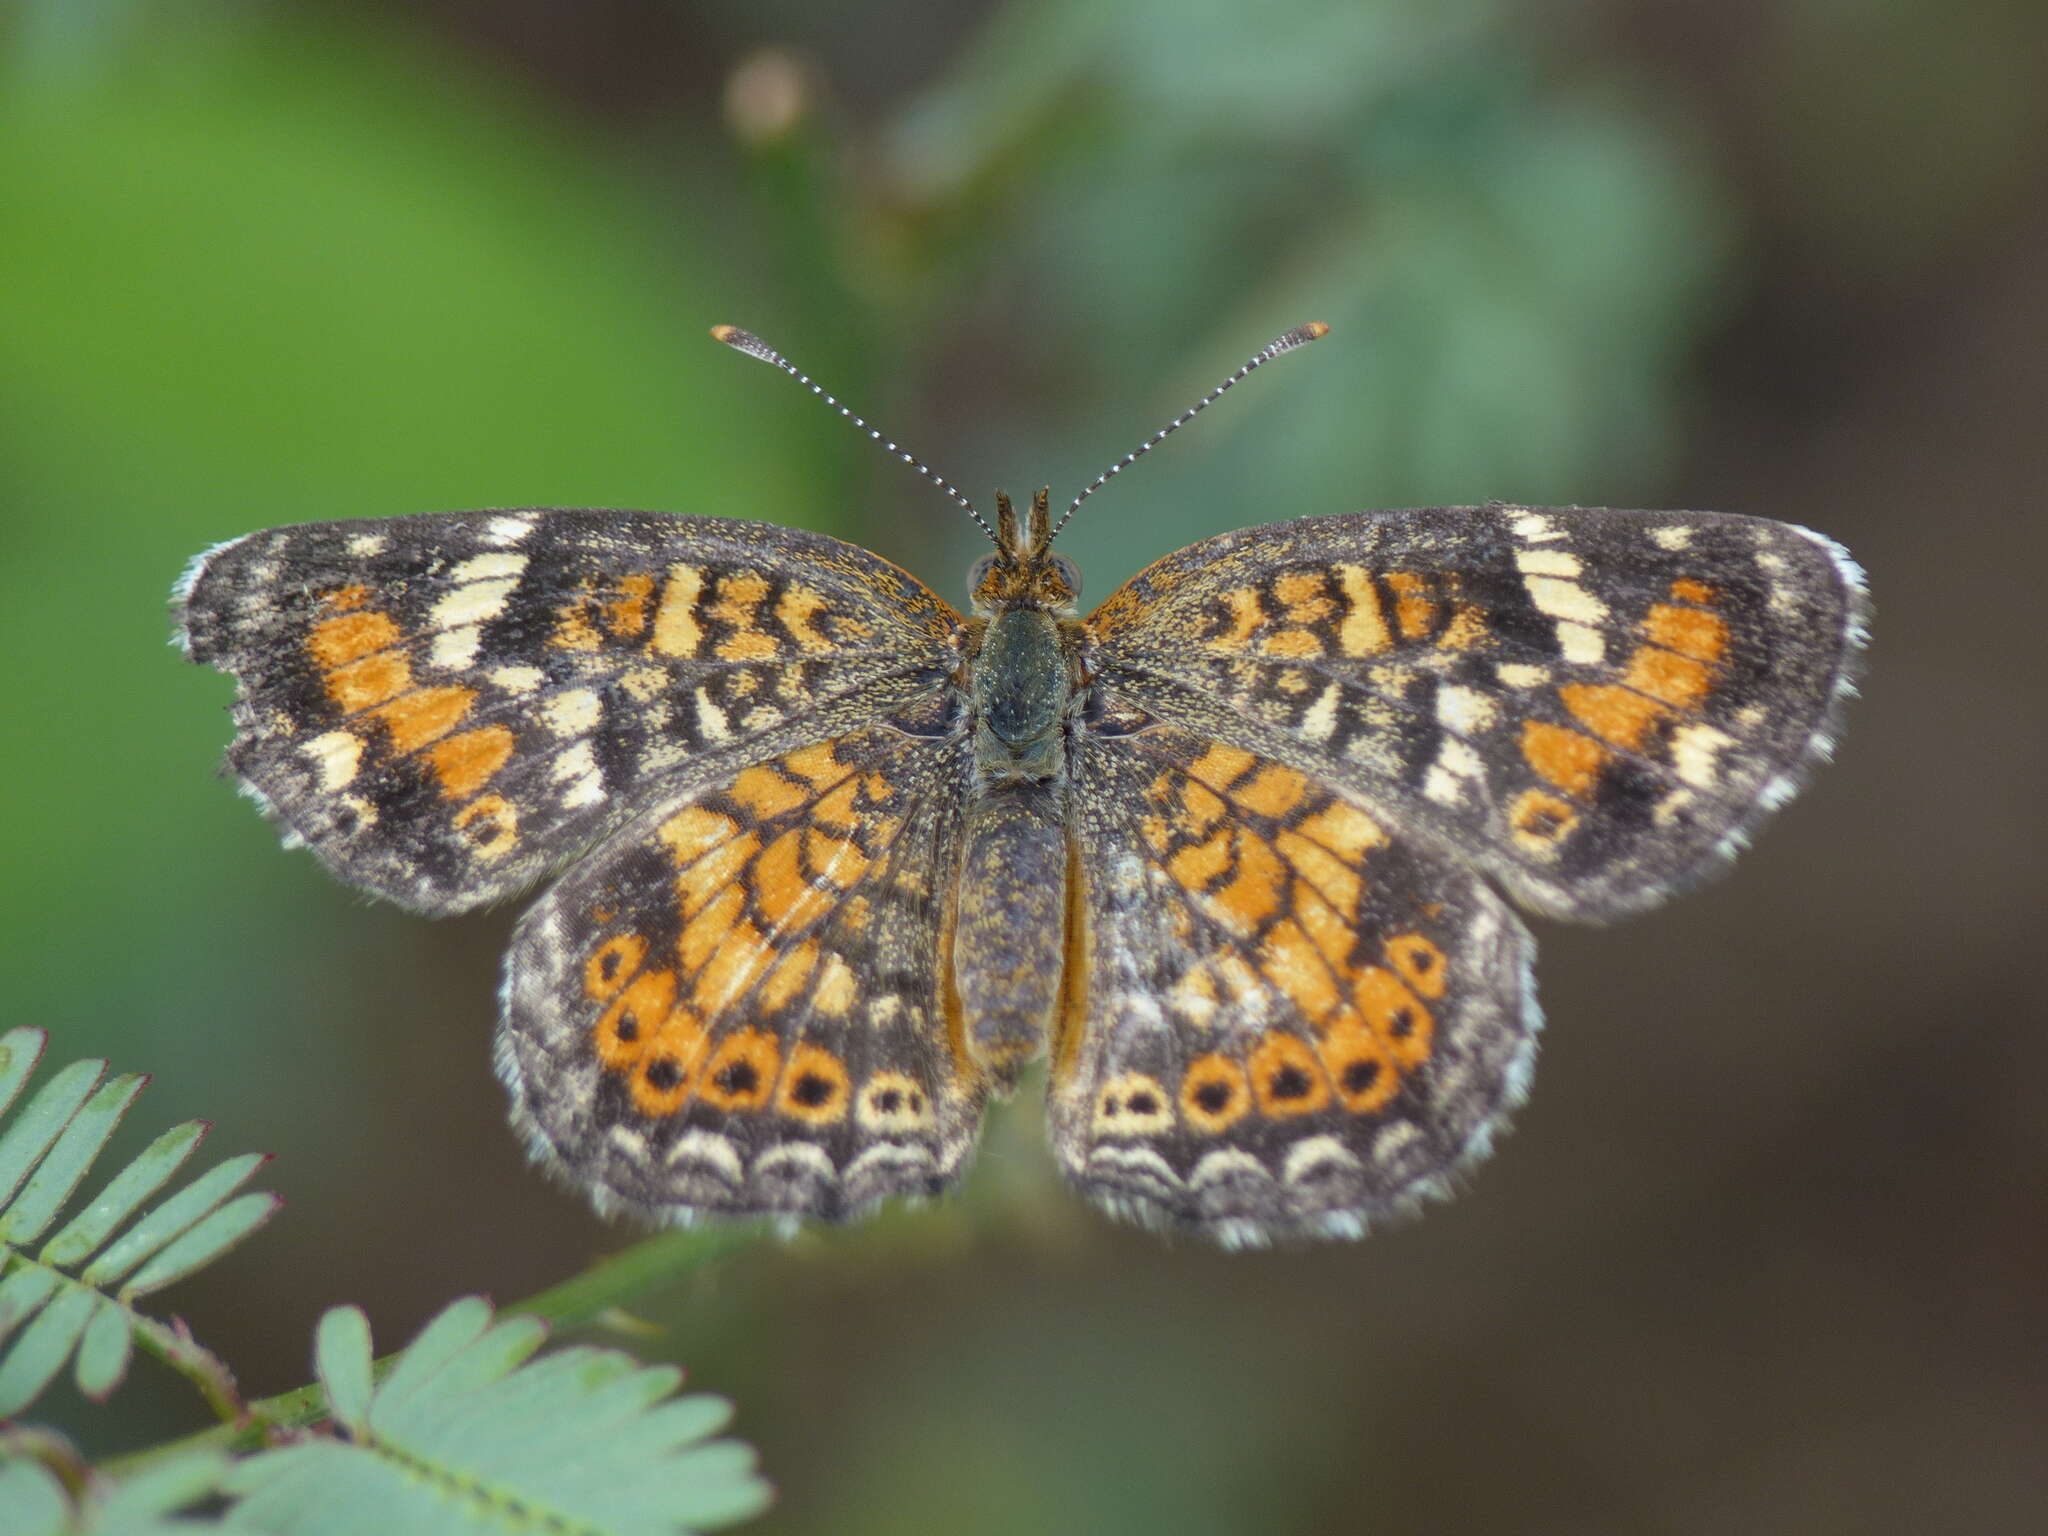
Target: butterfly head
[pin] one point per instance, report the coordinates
(1023, 571)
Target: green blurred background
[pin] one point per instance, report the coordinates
(1769, 1251)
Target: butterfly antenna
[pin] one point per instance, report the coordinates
(754, 346)
(1300, 336)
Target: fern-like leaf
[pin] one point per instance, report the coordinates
(72, 1297)
(34, 1503)
(466, 1433)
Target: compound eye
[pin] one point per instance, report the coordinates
(1070, 573)
(977, 573)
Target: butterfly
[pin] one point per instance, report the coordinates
(1240, 852)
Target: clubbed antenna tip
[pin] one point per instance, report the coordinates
(754, 346)
(1300, 336)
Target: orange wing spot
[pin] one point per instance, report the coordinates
(665, 1075)
(425, 715)
(1201, 809)
(626, 615)
(710, 928)
(1343, 829)
(838, 859)
(837, 988)
(1686, 590)
(701, 885)
(1466, 629)
(376, 679)
(336, 642)
(1333, 932)
(1295, 964)
(1157, 834)
(738, 604)
(491, 825)
(1254, 892)
(1274, 792)
(1219, 768)
(1696, 632)
(879, 790)
(1364, 630)
(694, 831)
(662, 1082)
(342, 599)
(1292, 644)
(624, 1030)
(1287, 1079)
(765, 792)
(837, 810)
(738, 596)
(1420, 962)
(1304, 594)
(1396, 1015)
(735, 965)
(1213, 1094)
(1247, 613)
(741, 1075)
(1563, 757)
(797, 611)
(1361, 1069)
(786, 982)
(1413, 610)
(783, 894)
(1327, 875)
(1540, 821)
(815, 1088)
(1616, 714)
(676, 630)
(1194, 867)
(748, 645)
(612, 964)
(816, 764)
(1678, 680)
(573, 629)
(466, 763)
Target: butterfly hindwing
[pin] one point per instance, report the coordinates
(1295, 1022)
(1594, 707)
(445, 706)
(736, 1005)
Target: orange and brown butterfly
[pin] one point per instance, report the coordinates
(1240, 851)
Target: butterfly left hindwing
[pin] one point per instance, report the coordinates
(735, 1005)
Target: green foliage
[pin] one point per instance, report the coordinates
(465, 1433)
(72, 1297)
(462, 1430)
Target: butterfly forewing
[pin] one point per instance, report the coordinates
(445, 706)
(1594, 707)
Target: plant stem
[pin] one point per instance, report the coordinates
(576, 1303)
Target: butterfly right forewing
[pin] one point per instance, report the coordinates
(1594, 707)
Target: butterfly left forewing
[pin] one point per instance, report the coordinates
(445, 706)
(1293, 1022)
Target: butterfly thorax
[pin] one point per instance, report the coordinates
(1022, 678)
(1023, 669)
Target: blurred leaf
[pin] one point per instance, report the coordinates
(35, 1502)
(60, 1309)
(465, 1433)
